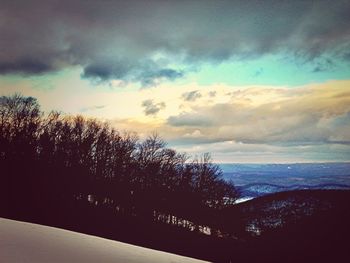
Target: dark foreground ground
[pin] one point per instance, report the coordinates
(295, 226)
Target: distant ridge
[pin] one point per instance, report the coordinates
(254, 180)
(260, 189)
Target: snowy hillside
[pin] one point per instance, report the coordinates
(25, 242)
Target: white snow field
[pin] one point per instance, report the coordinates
(22, 242)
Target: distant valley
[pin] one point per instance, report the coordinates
(253, 180)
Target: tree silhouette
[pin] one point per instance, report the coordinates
(61, 161)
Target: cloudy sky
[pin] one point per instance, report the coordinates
(248, 81)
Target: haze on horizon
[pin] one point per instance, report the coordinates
(256, 82)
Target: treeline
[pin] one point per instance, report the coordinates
(53, 160)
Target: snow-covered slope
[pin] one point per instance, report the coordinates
(24, 242)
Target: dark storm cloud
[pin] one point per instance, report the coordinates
(148, 78)
(141, 41)
(152, 108)
(146, 72)
(25, 66)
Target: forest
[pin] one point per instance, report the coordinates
(56, 160)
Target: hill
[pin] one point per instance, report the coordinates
(292, 226)
(26, 242)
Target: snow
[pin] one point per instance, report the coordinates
(25, 242)
(243, 199)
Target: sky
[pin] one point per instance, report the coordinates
(247, 81)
